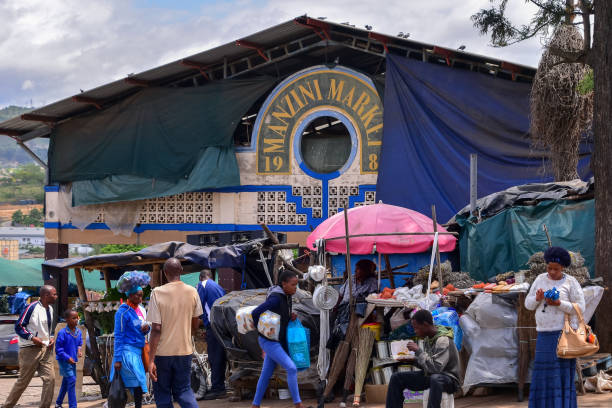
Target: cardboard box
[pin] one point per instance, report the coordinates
(376, 394)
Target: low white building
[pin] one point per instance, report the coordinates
(26, 236)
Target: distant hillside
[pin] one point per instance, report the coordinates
(11, 155)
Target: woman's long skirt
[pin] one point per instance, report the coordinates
(552, 378)
(132, 369)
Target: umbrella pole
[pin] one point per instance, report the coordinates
(348, 262)
(435, 228)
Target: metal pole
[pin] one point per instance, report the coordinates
(348, 260)
(435, 226)
(473, 182)
(32, 154)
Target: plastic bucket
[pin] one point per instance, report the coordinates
(375, 327)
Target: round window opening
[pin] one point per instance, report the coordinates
(325, 146)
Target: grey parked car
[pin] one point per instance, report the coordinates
(9, 345)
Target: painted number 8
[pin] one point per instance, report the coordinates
(373, 164)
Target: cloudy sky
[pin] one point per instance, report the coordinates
(49, 49)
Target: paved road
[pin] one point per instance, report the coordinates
(31, 396)
(501, 399)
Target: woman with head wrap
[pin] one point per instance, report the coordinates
(552, 295)
(130, 331)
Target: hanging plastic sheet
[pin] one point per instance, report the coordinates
(155, 133)
(435, 117)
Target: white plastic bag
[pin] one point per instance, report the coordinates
(269, 325)
(245, 320)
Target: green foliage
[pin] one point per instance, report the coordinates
(34, 217)
(586, 85)
(25, 182)
(118, 248)
(494, 21)
(28, 174)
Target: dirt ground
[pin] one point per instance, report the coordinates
(502, 398)
(7, 210)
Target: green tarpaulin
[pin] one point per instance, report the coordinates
(505, 241)
(216, 168)
(157, 133)
(28, 272)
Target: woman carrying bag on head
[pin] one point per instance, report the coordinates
(553, 295)
(277, 351)
(130, 331)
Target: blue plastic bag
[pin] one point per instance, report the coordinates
(297, 340)
(448, 317)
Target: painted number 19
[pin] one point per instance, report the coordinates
(277, 162)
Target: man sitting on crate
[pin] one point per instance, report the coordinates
(439, 361)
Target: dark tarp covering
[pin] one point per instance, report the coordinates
(494, 203)
(505, 241)
(230, 256)
(156, 133)
(434, 118)
(215, 168)
(244, 347)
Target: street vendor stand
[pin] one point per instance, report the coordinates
(384, 229)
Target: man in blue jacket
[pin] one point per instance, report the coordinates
(210, 291)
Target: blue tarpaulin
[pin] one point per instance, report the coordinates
(435, 117)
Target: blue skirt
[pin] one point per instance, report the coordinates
(552, 378)
(132, 370)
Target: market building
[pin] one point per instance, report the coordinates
(283, 127)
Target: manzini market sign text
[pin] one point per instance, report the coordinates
(342, 91)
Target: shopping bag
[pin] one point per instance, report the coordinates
(117, 398)
(297, 340)
(269, 325)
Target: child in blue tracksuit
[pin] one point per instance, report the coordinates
(68, 346)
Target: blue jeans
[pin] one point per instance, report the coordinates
(173, 381)
(217, 360)
(68, 386)
(275, 354)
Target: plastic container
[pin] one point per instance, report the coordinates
(387, 373)
(404, 368)
(284, 394)
(382, 349)
(377, 376)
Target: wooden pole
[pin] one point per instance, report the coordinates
(107, 279)
(435, 226)
(89, 323)
(155, 276)
(348, 261)
(389, 271)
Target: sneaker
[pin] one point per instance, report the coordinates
(213, 395)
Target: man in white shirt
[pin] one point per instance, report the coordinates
(36, 348)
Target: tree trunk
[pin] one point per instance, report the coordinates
(600, 59)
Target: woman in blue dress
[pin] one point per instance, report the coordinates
(130, 332)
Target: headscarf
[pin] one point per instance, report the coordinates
(131, 282)
(558, 255)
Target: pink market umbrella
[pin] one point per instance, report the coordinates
(381, 219)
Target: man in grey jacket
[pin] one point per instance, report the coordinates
(439, 362)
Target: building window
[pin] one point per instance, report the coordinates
(325, 145)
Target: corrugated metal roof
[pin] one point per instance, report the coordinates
(276, 39)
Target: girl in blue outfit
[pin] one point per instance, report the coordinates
(130, 332)
(277, 352)
(67, 352)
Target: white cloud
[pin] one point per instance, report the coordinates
(27, 84)
(66, 45)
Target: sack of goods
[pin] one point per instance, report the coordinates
(244, 319)
(297, 339)
(269, 325)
